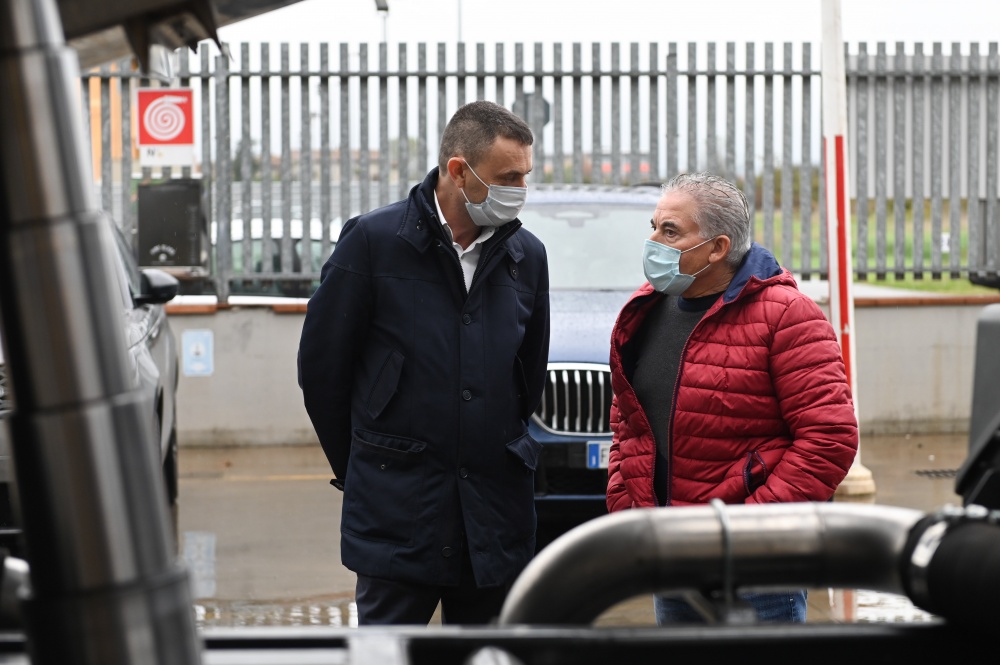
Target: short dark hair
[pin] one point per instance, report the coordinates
(474, 128)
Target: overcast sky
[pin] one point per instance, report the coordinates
(643, 21)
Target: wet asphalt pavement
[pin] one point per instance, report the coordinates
(259, 531)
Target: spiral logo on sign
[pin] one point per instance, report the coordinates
(163, 118)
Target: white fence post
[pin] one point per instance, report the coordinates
(859, 479)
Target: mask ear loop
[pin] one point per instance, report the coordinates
(707, 265)
(474, 173)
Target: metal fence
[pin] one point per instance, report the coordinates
(361, 124)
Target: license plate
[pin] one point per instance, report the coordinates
(597, 454)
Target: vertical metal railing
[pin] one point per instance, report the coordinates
(354, 133)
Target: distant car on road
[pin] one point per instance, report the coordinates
(266, 275)
(593, 236)
(152, 356)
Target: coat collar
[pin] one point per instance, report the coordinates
(758, 268)
(421, 226)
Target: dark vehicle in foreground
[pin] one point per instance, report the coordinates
(152, 365)
(593, 236)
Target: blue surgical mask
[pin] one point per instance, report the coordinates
(662, 265)
(502, 204)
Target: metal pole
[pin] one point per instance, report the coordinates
(709, 548)
(859, 479)
(105, 586)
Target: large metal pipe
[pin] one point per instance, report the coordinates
(706, 548)
(105, 586)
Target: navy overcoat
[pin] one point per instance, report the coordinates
(420, 391)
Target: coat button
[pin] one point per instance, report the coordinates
(513, 272)
(446, 552)
(466, 395)
(382, 466)
(420, 227)
(463, 472)
(466, 319)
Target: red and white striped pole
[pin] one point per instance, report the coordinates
(838, 216)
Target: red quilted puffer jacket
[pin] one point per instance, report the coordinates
(762, 411)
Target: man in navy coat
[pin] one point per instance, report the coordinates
(422, 357)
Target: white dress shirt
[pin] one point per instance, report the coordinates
(468, 257)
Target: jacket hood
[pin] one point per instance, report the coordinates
(758, 268)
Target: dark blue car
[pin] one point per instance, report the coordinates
(594, 237)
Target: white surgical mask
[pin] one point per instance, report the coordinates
(662, 265)
(502, 204)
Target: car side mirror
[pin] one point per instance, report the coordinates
(158, 287)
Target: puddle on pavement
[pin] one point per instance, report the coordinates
(219, 614)
(875, 607)
(862, 606)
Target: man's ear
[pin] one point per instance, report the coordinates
(720, 248)
(456, 171)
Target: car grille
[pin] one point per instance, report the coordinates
(576, 399)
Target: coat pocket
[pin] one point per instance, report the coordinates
(521, 388)
(754, 472)
(516, 492)
(385, 384)
(526, 450)
(386, 488)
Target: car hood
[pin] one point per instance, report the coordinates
(581, 324)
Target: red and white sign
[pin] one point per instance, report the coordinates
(165, 133)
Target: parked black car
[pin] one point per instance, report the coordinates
(593, 236)
(153, 361)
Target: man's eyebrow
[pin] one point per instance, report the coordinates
(513, 173)
(664, 222)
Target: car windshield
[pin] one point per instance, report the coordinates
(591, 245)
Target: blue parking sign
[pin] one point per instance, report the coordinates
(198, 352)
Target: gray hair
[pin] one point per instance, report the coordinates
(474, 129)
(722, 209)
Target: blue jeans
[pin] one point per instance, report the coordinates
(788, 607)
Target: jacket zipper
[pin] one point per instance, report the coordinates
(673, 408)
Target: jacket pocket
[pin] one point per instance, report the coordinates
(521, 388)
(385, 384)
(526, 450)
(754, 472)
(386, 488)
(516, 492)
(398, 447)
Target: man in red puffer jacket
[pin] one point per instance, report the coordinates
(729, 383)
